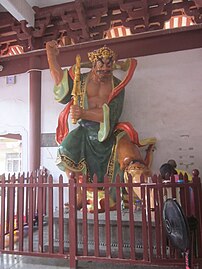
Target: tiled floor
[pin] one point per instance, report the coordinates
(31, 262)
(24, 262)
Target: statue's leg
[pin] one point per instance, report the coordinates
(127, 152)
(79, 189)
(132, 163)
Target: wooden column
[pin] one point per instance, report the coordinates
(35, 114)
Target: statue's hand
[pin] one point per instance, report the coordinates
(76, 112)
(52, 48)
(55, 68)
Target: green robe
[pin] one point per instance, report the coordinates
(91, 147)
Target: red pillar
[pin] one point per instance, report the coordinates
(35, 114)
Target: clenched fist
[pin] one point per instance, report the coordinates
(52, 48)
(76, 112)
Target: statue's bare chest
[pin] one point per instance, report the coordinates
(98, 93)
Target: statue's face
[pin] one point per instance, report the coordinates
(103, 68)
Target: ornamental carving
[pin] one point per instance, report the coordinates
(84, 21)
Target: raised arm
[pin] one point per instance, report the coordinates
(55, 69)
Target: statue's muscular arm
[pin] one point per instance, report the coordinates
(92, 114)
(55, 68)
(98, 94)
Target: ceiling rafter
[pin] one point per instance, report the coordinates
(155, 42)
(83, 23)
(90, 20)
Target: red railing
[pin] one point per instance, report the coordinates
(34, 220)
(22, 202)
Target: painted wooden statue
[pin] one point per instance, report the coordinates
(100, 145)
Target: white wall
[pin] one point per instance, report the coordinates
(162, 100)
(50, 111)
(14, 111)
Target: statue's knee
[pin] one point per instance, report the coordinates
(127, 152)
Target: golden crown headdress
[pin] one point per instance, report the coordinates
(103, 52)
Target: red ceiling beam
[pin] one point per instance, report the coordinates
(131, 46)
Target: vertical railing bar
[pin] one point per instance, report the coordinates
(107, 219)
(119, 219)
(157, 222)
(174, 196)
(161, 204)
(85, 219)
(40, 212)
(34, 200)
(96, 222)
(21, 211)
(72, 223)
(8, 205)
(193, 236)
(31, 213)
(44, 193)
(149, 223)
(167, 242)
(183, 196)
(173, 187)
(16, 224)
(50, 214)
(200, 216)
(198, 208)
(61, 216)
(144, 222)
(11, 213)
(192, 206)
(27, 198)
(188, 193)
(131, 219)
